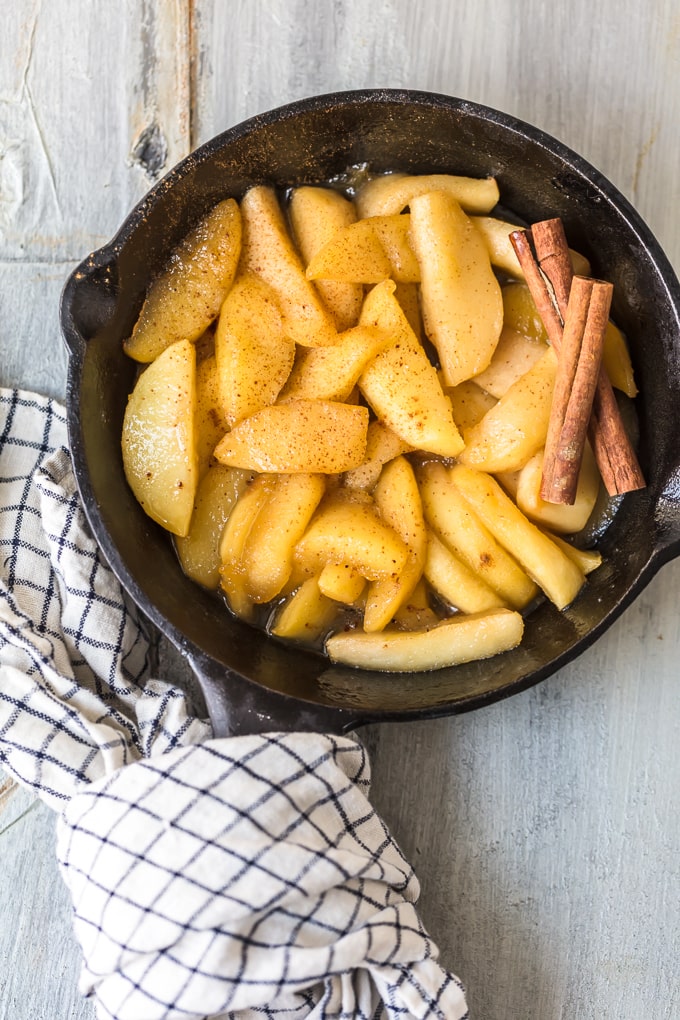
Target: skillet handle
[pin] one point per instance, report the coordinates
(667, 521)
(663, 491)
(238, 706)
(89, 299)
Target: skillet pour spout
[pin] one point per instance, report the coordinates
(252, 682)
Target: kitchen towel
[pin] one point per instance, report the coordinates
(236, 877)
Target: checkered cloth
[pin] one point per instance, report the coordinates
(238, 877)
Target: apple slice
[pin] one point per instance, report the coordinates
(158, 438)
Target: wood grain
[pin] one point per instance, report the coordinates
(543, 829)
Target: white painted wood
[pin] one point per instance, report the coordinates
(29, 310)
(543, 829)
(39, 960)
(80, 84)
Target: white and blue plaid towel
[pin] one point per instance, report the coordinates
(238, 877)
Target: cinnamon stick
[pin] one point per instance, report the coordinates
(537, 284)
(554, 260)
(544, 256)
(585, 324)
(615, 457)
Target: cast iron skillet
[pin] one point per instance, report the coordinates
(252, 683)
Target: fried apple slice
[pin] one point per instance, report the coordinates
(316, 436)
(368, 251)
(269, 252)
(496, 235)
(254, 355)
(401, 385)
(586, 559)
(407, 298)
(282, 521)
(454, 582)
(392, 193)
(455, 522)
(305, 615)
(316, 214)
(450, 643)
(211, 422)
(616, 360)
(394, 233)
(199, 549)
(187, 295)
(417, 612)
(560, 578)
(398, 499)
(516, 427)
(515, 354)
(347, 529)
(567, 518)
(331, 373)
(520, 312)
(353, 255)
(233, 544)
(469, 403)
(341, 582)
(460, 295)
(382, 445)
(159, 440)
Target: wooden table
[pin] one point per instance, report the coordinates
(544, 829)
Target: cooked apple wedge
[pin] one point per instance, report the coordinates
(305, 615)
(353, 255)
(331, 373)
(382, 445)
(460, 295)
(254, 354)
(342, 583)
(216, 496)
(398, 499)
(401, 385)
(567, 518)
(515, 428)
(560, 578)
(210, 421)
(347, 529)
(186, 297)
(316, 214)
(281, 522)
(469, 403)
(586, 560)
(269, 252)
(616, 360)
(159, 441)
(368, 251)
(318, 436)
(392, 193)
(454, 582)
(460, 639)
(233, 543)
(515, 354)
(496, 234)
(520, 312)
(455, 522)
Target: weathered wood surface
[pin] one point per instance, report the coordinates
(544, 829)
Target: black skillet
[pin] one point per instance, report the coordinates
(253, 683)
